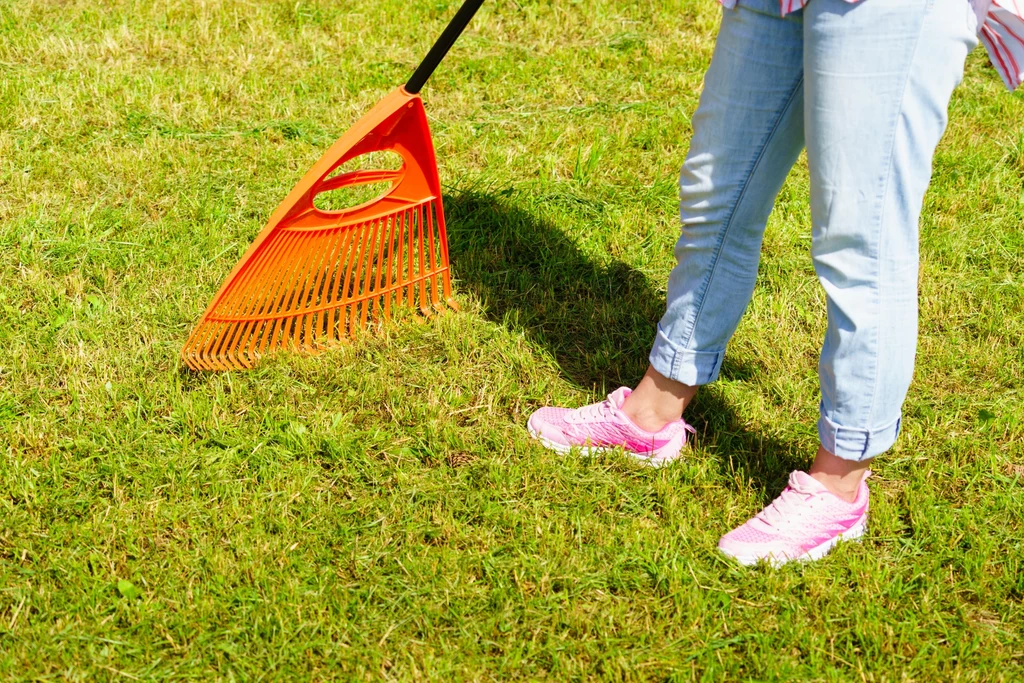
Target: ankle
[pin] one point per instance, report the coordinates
(657, 401)
(841, 477)
(840, 487)
(645, 416)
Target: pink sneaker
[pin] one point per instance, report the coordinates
(603, 426)
(803, 523)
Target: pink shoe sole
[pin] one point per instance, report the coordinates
(853, 534)
(654, 460)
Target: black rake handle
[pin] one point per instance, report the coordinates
(444, 43)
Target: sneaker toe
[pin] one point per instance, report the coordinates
(548, 424)
(748, 545)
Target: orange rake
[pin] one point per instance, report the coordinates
(313, 277)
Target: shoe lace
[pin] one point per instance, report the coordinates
(596, 411)
(784, 507)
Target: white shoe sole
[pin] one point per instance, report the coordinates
(854, 533)
(595, 450)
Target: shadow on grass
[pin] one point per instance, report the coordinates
(597, 321)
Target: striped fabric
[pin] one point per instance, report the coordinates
(1001, 30)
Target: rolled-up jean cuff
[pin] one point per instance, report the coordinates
(856, 444)
(683, 365)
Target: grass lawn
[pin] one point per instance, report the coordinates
(379, 510)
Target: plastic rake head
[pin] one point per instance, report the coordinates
(314, 277)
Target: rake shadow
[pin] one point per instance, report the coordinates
(597, 321)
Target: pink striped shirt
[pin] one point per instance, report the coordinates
(1001, 30)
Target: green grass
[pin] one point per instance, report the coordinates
(379, 510)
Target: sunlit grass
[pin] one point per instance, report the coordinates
(379, 510)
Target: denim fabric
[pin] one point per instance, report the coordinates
(865, 87)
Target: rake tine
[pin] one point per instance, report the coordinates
(251, 283)
(195, 350)
(216, 343)
(424, 309)
(368, 276)
(385, 273)
(269, 339)
(266, 302)
(307, 296)
(237, 347)
(313, 293)
(341, 312)
(359, 309)
(399, 268)
(318, 252)
(265, 294)
(333, 282)
(411, 284)
(375, 304)
(351, 278)
(259, 329)
(251, 342)
(338, 241)
(223, 346)
(282, 292)
(433, 256)
(442, 235)
(289, 332)
(293, 297)
(213, 340)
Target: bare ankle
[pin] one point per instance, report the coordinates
(841, 477)
(644, 417)
(657, 401)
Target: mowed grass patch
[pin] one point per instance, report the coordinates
(379, 511)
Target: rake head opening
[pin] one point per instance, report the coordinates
(313, 276)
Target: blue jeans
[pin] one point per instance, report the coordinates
(866, 88)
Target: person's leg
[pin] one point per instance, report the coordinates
(747, 134)
(879, 76)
